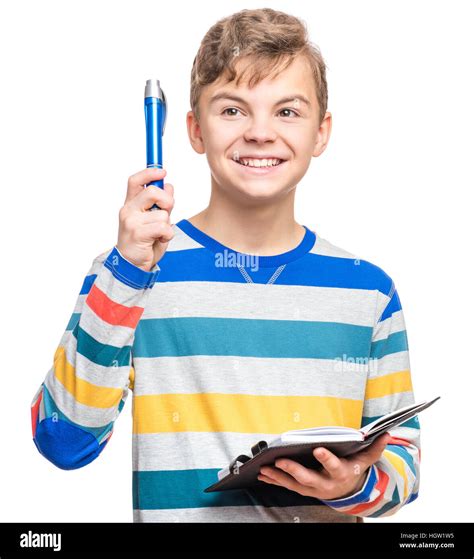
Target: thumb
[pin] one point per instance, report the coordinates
(378, 446)
(374, 451)
(169, 188)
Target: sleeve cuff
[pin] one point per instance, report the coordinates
(362, 496)
(128, 273)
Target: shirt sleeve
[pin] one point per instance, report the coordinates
(74, 410)
(393, 481)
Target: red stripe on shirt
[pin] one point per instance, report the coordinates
(34, 414)
(112, 312)
(381, 485)
(396, 440)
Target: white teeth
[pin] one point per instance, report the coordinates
(259, 162)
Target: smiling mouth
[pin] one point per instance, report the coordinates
(247, 163)
(264, 169)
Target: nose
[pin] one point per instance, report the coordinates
(260, 129)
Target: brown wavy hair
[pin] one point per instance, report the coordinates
(269, 38)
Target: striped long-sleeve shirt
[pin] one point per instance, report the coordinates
(221, 351)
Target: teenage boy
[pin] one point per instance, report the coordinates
(251, 325)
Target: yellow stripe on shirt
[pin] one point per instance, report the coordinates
(388, 384)
(241, 413)
(83, 391)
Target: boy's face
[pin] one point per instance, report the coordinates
(277, 119)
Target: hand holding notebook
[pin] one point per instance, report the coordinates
(299, 445)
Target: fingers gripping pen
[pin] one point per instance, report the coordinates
(155, 120)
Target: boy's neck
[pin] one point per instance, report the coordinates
(263, 230)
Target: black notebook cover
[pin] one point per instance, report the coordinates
(243, 470)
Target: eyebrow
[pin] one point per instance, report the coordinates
(230, 96)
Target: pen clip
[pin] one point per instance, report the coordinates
(242, 458)
(165, 110)
(258, 447)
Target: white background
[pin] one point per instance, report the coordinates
(394, 187)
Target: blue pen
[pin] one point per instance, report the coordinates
(155, 120)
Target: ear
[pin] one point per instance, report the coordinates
(324, 133)
(194, 132)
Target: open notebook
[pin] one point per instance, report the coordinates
(300, 443)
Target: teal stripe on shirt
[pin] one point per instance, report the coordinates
(395, 500)
(184, 489)
(73, 321)
(404, 455)
(175, 337)
(392, 344)
(413, 422)
(101, 354)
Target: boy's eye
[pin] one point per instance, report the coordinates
(291, 111)
(226, 112)
(230, 109)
